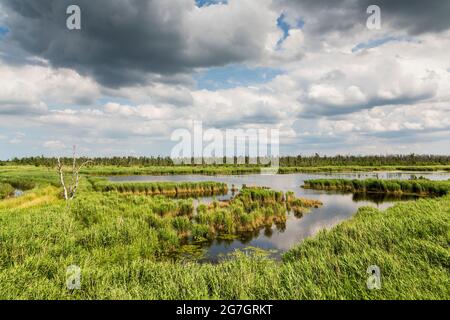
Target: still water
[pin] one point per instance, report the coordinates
(336, 208)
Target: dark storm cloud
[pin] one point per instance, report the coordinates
(17, 109)
(412, 135)
(313, 110)
(122, 42)
(414, 16)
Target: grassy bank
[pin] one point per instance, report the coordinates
(170, 170)
(236, 170)
(419, 187)
(6, 190)
(48, 174)
(331, 169)
(27, 177)
(161, 188)
(115, 246)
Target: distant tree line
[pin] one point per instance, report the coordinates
(371, 160)
(99, 161)
(285, 161)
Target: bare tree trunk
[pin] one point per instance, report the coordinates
(77, 174)
(70, 191)
(61, 178)
(73, 170)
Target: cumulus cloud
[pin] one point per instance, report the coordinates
(394, 73)
(29, 89)
(122, 42)
(412, 16)
(54, 144)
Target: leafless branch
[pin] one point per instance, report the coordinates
(70, 192)
(75, 186)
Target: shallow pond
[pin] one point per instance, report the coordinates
(336, 208)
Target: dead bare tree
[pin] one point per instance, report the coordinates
(71, 190)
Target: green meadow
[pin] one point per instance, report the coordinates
(247, 169)
(129, 239)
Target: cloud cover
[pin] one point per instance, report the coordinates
(128, 79)
(126, 42)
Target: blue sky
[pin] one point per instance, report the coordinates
(234, 76)
(285, 26)
(202, 3)
(3, 30)
(373, 43)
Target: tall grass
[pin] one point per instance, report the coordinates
(6, 190)
(413, 187)
(32, 198)
(361, 168)
(123, 244)
(113, 241)
(169, 170)
(27, 178)
(40, 186)
(161, 188)
(252, 209)
(245, 169)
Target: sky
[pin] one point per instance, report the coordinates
(138, 70)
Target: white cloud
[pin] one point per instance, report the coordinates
(54, 144)
(31, 88)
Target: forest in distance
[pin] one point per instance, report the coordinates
(284, 161)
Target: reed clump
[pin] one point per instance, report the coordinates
(252, 209)
(419, 187)
(174, 189)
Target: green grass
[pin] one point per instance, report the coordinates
(244, 169)
(6, 190)
(368, 168)
(40, 186)
(161, 188)
(27, 178)
(44, 174)
(251, 210)
(123, 244)
(169, 170)
(408, 187)
(116, 248)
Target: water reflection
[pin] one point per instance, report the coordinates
(380, 198)
(336, 208)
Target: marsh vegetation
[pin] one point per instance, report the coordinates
(180, 189)
(420, 187)
(124, 237)
(6, 190)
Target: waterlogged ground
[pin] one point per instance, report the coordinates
(336, 208)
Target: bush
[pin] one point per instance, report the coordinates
(168, 237)
(6, 190)
(201, 232)
(181, 224)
